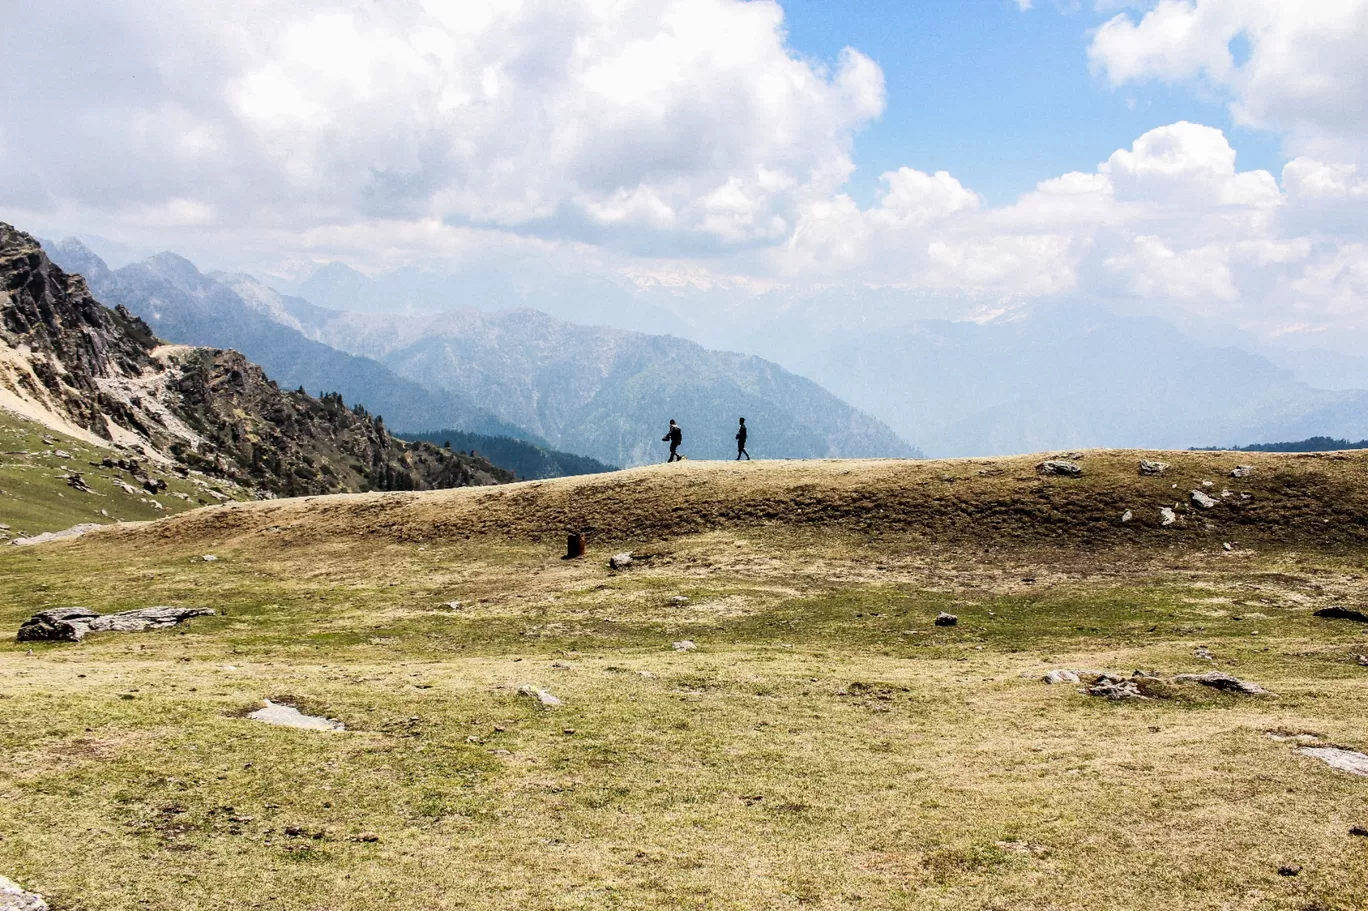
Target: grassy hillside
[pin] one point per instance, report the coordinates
(824, 745)
(524, 459)
(36, 494)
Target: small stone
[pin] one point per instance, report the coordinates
(1167, 517)
(1204, 653)
(568, 731)
(13, 898)
(1153, 468)
(209, 558)
(1359, 831)
(1242, 471)
(452, 605)
(1202, 500)
(369, 838)
(1060, 468)
(1289, 869)
(1362, 660)
(944, 619)
(1127, 516)
(1060, 675)
(679, 600)
(1227, 546)
(683, 645)
(543, 698)
(620, 561)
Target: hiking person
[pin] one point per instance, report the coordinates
(741, 442)
(674, 437)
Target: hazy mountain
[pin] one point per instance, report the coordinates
(572, 297)
(1065, 377)
(607, 392)
(77, 366)
(183, 305)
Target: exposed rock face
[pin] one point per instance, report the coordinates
(1110, 686)
(103, 371)
(1221, 681)
(1350, 761)
(74, 531)
(1061, 675)
(71, 624)
(1060, 468)
(13, 898)
(944, 619)
(1153, 468)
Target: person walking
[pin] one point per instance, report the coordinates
(674, 437)
(741, 442)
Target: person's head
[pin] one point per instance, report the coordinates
(672, 423)
(743, 420)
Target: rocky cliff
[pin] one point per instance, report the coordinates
(78, 366)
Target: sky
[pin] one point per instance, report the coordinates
(1197, 159)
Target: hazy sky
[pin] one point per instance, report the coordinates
(1205, 157)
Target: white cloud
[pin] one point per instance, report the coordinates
(676, 123)
(1305, 62)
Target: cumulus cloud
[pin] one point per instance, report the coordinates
(687, 121)
(1170, 223)
(1304, 61)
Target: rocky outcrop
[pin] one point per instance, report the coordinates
(1221, 681)
(1153, 468)
(1342, 613)
(72, 624)
(1060, 468)
(102, 370)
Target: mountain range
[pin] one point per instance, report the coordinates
(103, 376)
(597, 391)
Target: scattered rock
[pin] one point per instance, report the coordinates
(543, 698)
(1362, 660)
(1060, 468)
(13, 898)
(71, 624)
(452, 605)
(1167, 517)
(369, 838)
(1110, 686)
(1340, 613)
(1202, 500)
(282, 715)
(1289, 869)
(209, 558)
(679, 600)
(1350, 761)
(74, 531)
(683, 645)
(1242, 471)
(1359, 831)
(1153, 469)
(62, 454)
(1061, 675)
(1127, 516)
(1204, 653)
(76, 482)
(620, 561)
(1222, 681)
(944, 619)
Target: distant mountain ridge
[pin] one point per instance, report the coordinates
(77, 366)
(608, 392)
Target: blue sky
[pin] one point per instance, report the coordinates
(998, 97)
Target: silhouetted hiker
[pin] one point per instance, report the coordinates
(674, 438)
(741, 442)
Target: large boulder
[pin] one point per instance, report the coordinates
(1063, 468)
(1153, 468)
(71, 624)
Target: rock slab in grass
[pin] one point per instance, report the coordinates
(1152, 468)
(1342, 613)
(1222, 681)
(1167, 517)
(1202, 500)
(287, 716)
(1060, 468)
(1345, 760)
(71, 624)
(543, 698)
(683, 645)
(620, 561)
(1109, 686)
(1242, 471)
(13, 898)
(944, 619)
(1061, 675)
(74, 531)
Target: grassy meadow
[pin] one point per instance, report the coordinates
(823, 746)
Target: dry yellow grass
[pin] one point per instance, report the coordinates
(825, 746)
